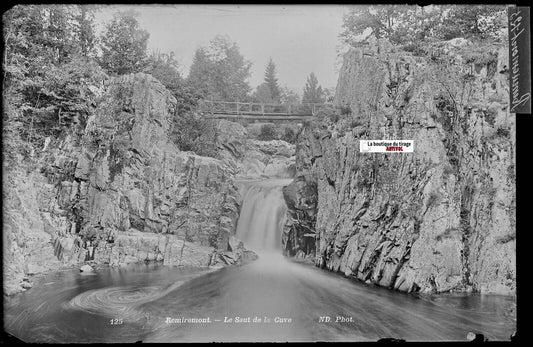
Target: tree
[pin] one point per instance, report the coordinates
(272, 82)
(378, 21)
(44, 79)
(58, 33)
(329, 94)
(263, 94)
(267, 132)
(473, 22)
(84, 30)
(289, 97)
(124, 45)
(412, 26)
(164, 67)
(220, 71)
(313, 91)
(189, 131)
(199, 72)
(290, 134)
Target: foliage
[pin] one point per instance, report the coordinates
(313, 92)
(124, 45)
(84, 28)
(263, 94)
(268, 132)
(220, 72)
(272, 82)
(413, 26)
(289, 97)
(329, 94)
(192, 132)
(473, 22)
(290, 135)
(379, 21)
(49, 78)
(38, 36)
(479, 54)
(328, 115)
(164, 67)
(189, 130)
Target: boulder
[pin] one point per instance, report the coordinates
(86, 268)
(235, 244)
(33, 269)
(26, 285)
(231, 138)
(273, 147)
(268, 159)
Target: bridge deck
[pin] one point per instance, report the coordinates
(264, 117)
(250, 110)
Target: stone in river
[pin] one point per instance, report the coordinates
(86, 268)
(473, 337)
(26, 285)
(235, 243)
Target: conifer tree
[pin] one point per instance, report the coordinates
(272, 82)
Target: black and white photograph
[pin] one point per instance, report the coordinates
(261, 173)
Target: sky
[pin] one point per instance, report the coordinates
(300, 39)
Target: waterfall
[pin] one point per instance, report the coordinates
(263, 214)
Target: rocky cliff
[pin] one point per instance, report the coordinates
(436, 220)
(120, 193)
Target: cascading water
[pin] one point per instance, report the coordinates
(262, 215)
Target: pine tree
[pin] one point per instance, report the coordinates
(313, 92)
(199, 72)
(272, 82)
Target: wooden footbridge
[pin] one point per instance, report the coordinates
(259, 112)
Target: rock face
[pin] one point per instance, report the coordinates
(274, 159)
(439, 219)
(122, 192)
(250, 158)
(231, 143)
(27, 248)
(299, 235)
(135, 178)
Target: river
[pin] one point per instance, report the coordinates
(270, 299)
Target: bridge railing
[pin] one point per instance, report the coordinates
(252, 108)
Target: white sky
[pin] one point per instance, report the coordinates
(300, 38)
